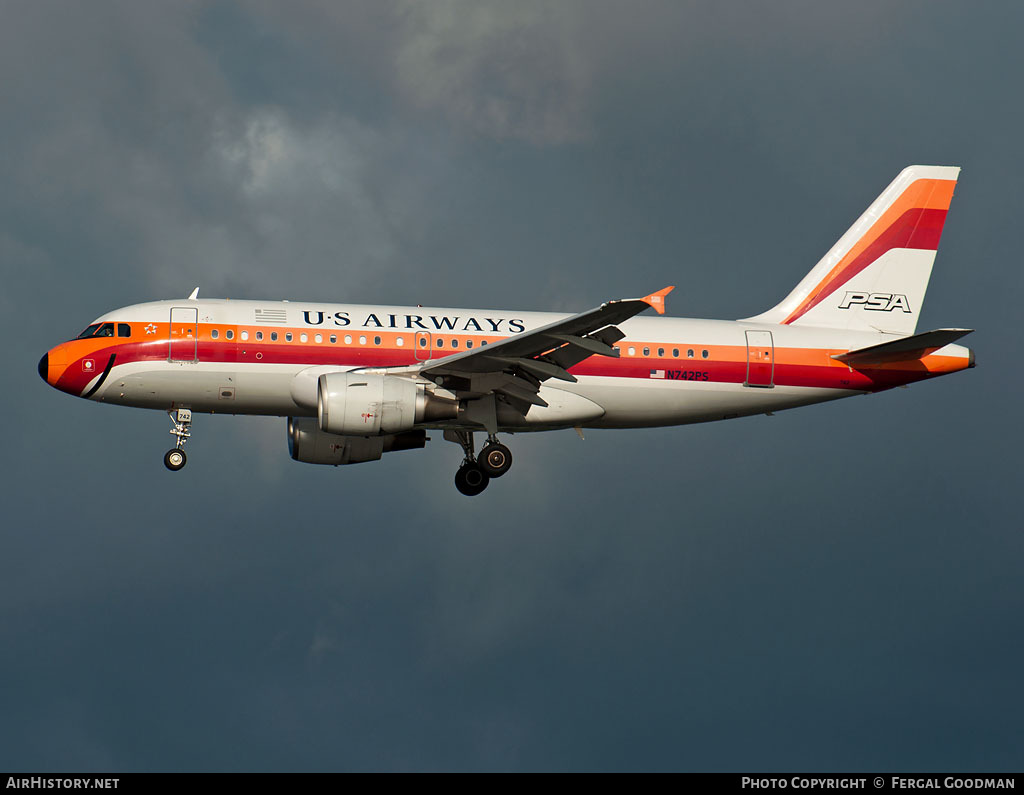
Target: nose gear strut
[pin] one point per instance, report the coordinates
(181, 419)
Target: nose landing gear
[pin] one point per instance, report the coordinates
(175, 458)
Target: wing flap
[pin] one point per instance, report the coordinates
(591, 345)
(527, 395)
(538, 367)
(570, 355)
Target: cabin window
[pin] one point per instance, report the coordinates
(483, 342)
(303, 337)
(318, 338)
(704, 354)
(689, 353)
(124, 330)
(273, 336)
(399, 341)
(259, 335)
(362, 339)
(214, 334)
(631, 350)
(647, 351)
(469, 343)
(376, 340)
(229, 334)
(244, 335)
(423, 342)
(334, 339)
(661, 351)
(455, 343)
(288, 336)
(440, 342)
(675, 353)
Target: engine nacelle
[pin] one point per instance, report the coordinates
(309, 444)
(363, 404)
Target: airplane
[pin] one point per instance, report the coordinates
(355, 382)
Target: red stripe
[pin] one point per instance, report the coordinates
(821, 377)
(917, 228)
(74, 379)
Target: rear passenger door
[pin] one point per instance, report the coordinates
(760, 359)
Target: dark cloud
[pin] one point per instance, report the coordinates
(830, 588)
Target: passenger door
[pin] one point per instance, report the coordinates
(760, 359)
(184, 341)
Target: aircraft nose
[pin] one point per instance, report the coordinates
(44, 367)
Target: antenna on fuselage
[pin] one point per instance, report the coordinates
(195, 295)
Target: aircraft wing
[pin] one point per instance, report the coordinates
(516, 366)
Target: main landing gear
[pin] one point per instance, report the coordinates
(175, 458)
(495, 460)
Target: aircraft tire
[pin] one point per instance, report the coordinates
(471, 479)
(495, 460)
(175, 459)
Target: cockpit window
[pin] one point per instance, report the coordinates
(124, 330)
(100, 330)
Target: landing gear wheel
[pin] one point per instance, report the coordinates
(175, 459)
(181, 419)
(495, 459)
(471, 479)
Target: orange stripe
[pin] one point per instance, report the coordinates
(73, 351)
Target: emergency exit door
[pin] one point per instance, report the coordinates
(422, 346)
(760, 359)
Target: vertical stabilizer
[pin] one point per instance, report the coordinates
(876, 275)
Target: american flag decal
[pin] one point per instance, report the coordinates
(271, 316)
(657, 373)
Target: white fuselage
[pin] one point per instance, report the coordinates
(218, 356)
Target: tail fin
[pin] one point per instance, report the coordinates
(876, 275)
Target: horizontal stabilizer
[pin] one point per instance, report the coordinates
(907, 349)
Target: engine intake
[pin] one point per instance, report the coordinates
(363, 404)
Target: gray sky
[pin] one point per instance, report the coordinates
(834, 588)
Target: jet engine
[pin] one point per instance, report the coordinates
(363, 404)
(307, 443)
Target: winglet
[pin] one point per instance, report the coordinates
(195, 295)
(657, 300)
